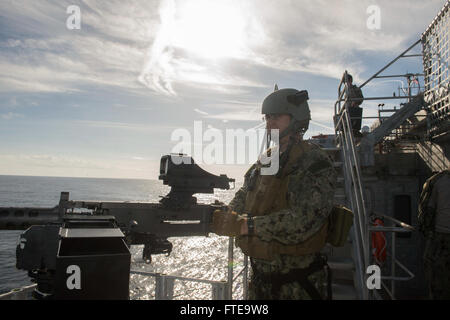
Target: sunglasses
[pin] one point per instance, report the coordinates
(274, 116)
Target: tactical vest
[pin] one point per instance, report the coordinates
(267, 194)
(427, 216)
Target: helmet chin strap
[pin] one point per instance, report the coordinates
(294, 127)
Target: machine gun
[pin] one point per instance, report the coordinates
(95, 229)
(176, 215)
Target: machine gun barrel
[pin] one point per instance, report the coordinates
(139, 217)
(23, 218)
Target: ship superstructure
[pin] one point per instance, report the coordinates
(382, 172)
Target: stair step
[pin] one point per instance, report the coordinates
(327, 250)
(343, 292)
(340, 198)
(337, 164)
(340, 179)
(342, 276)
(339, 190)
(341, 265)
(342, 254)
(332, 149)
(341, 260)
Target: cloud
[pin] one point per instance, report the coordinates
(236, 111)
(13, 102)
(321, 38)
(201, 112)
(195, 39)
(315, 123)
(326, 37)
(10, 115)
(170, 44)
(88, 61)
(107, 51)
(123, 125)
(52, 161)
(218, 62)
(237, 116)
(66, 166)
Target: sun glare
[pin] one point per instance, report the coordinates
(194, 31)
(210, 29)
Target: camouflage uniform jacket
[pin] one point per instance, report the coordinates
(355, 92)
(310, 200)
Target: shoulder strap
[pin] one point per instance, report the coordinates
(295, 153)
(424, 221)
(428, 187)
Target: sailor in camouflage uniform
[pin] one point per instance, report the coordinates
(281, 220)
(434, 222)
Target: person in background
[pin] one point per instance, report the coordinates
(355, 111)
(434, 222)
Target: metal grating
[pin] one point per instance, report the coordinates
(435, 46)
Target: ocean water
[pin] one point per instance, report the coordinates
(196, 257)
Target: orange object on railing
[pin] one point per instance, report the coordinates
(379, 243)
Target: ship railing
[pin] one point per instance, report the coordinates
(436, 49)
(352, 182)
(23, 293)
(220, 289)
(351, 164)
(164, 284)
(409, 131)
(396, 227)
(411, 79)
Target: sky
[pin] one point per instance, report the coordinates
(108, 98)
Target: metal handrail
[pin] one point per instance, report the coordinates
(380, 98)
(401, 223)
(402, 55)
(403, 228)
(221, 290)
(352, 179)
(181, 278)
(23, 293)
(352, 170)
(239, 273)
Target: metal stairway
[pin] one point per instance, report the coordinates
(341, 259)
(354, 260)
(350, 265)
(404, 128)
(395, 120)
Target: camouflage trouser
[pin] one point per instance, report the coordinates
(437, 266)
(260, 287)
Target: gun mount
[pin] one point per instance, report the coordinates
(176, 215)
(186, 178)
(83, 257)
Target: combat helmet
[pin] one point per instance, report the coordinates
(289, 101)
